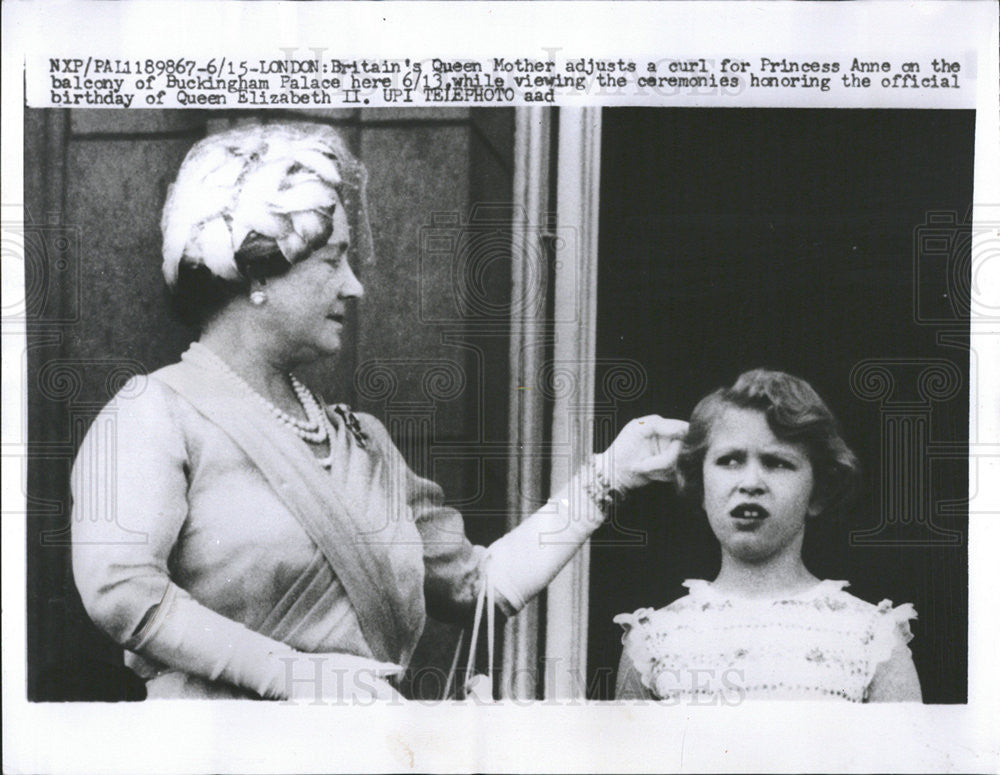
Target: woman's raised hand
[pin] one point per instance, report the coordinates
(524, 562)
(645, 451)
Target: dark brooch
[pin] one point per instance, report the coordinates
(352, 424)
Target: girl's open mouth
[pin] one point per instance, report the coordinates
(749, 511)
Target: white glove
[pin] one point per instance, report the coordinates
(522, 563)
(341, 678)
(186, 635)
(645, 451)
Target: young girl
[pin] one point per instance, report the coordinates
(763, 458)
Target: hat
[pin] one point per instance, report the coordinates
(274, 182)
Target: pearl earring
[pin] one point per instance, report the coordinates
(257, 298)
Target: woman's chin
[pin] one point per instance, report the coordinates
(313, 352)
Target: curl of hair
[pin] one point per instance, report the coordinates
(795, 413)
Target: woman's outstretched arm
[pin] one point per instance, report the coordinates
(523, 562)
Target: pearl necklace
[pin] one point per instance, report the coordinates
(315, 430)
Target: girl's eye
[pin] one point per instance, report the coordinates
(728, 461)
(777, 462)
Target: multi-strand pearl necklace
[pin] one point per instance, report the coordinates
(316, 429)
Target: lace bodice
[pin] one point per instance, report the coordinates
(708, 646)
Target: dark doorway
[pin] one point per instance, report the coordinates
(832, 244)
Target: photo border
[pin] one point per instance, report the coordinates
(176, 736)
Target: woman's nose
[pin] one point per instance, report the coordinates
(352, 287)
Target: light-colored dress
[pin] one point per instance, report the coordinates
(185, 488)
(712, 648)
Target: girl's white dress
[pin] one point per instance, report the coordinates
(710, 648)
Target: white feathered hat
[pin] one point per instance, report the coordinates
(274, 181)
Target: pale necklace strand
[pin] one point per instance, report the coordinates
(317, 428)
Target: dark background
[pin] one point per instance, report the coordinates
(806, 241)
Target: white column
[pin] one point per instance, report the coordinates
(527, 350)
(575, 324)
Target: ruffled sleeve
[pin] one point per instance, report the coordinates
(637, 642)
(890, 631)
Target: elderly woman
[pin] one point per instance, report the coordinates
(263, 544)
